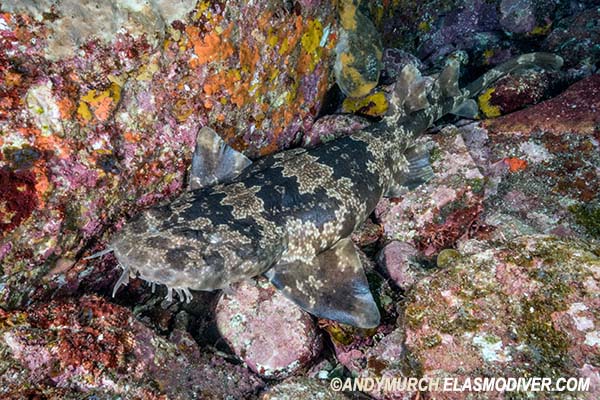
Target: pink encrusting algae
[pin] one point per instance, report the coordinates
(100, 126)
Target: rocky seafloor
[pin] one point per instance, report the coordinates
(492, 268)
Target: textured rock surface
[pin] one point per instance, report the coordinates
(532, 171)
(90, 346)
(72, 24)
(575, 110)
(398, 260)
(529, 308)
(384, 358)
(274, 337)
(100, 109)
(516, 91)
(331, 127)
(435, 215)
(542, 165)
(491, 31)
(576, 38)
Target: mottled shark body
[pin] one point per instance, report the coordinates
(289, 216)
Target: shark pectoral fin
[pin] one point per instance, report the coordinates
(214, 161)
(333, 285)
(419, 171)
(467, 109)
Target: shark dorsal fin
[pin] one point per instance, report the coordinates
(448, 78)
(214, 161)
(412, 89)
(406, 78)
(417, 97)
(332, 285)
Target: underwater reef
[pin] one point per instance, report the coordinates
(491, 268)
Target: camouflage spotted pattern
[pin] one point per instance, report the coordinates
(290, 214)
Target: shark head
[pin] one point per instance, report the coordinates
(194, 243)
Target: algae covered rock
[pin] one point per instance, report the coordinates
(574, 110)
(73, 348)
(302, 389)
(398, 261)
(576, 38)
(527, 308)
(268, 332)
(541, 165)
(101, 103)
(438, 213)
(358, 52)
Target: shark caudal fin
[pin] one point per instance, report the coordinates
(546, 61)
(463, 104)
(418, 101)
(332, 285)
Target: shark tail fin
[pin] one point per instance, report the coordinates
(461, 105)
(546, 61)
(410, 91)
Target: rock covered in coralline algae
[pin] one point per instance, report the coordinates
(397, 259)
(517, 16)
(576, 38)
(437, 214)
(541, 165)
(463, 27)
(85, 347)
(491, 31)
(358, 52)
(331, 127)
(531, 171)
(101, 103)
(516, 91)
(526, 308)
(574, 110)
(274, 337)
(384, 357)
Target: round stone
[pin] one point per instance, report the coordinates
(273, 336)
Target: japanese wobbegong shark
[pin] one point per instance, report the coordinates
(289, 216)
